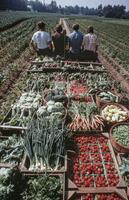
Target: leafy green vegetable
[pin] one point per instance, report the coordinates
(121, 134)
(43, 188)
(44, 142)
(11, 150)
(6, 187)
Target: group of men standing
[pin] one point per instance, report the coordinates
(75, 46)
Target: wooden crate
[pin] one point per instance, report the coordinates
(8, 130)
(74, 189)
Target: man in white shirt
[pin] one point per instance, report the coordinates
(90, 45)
(41, 41)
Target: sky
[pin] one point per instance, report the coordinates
(91, 3)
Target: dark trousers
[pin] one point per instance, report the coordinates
(74, 56)
(44, 52)
(89, 56)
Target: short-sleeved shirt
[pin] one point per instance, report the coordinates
(90, 41)
(41, 38)
(60, 42)
(75, 41)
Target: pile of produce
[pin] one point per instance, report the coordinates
(114, 113)
(44, 65)
(124, 168)
(52, 108)
(44, 143)
(121, 134)
(79, 91)
(92, 164)
(76, 88)
(11, 150)
(86, 117)
(59, 85)
(108, 96)
(43, 59)
(56, 95)
(43, 188)
(6, 186)
(24, 108)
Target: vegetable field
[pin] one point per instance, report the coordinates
(64, 125)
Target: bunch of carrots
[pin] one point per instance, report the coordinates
(86, 117)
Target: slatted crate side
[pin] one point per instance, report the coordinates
(8, 130)
(84, 66)
(97, 195)
(44, 66)
(82, 63)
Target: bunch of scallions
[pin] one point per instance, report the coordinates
(44, 143)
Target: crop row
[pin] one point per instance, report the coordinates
(11, 17)
(15, 41)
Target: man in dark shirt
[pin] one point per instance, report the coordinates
(75, 43)
(59, 41)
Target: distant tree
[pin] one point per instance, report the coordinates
(13, 5)
(76, 9)
(107, 11)
(82, 9)
(126, 16)
(3, 4)
(37, 6)
(114, 12)
(100, 10)
(54, 7)
(61, 9)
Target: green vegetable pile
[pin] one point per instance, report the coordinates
(121, 134)
(44, 143)
(124, 168)
(6, 187)
(84, 109)
(43, 188)
(108, 96)
(11, 150)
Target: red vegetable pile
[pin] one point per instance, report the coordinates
(80, 92)
(92, 163)
(78, 88)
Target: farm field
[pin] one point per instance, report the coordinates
(68, 121)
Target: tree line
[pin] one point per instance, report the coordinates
(116, 11)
